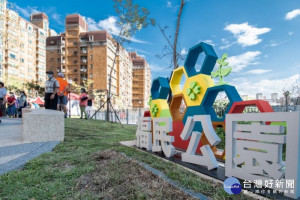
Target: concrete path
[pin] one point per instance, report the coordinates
(14, 151)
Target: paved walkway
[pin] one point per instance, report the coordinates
(14, 151)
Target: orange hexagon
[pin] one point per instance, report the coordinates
(176, 106)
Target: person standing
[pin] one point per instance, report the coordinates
(89, 106)
(62, 93)
(22, 102)
(11, 105)
(51, 89)
(83, 103)
(3, 93)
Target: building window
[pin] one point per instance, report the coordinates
(91, 46)
(91, 56)
(51, 59)
(75, 79)
(91, 75)
(75, 70)
(75, 52)
(13, 56)
(91, 38)
(91, 66)
(22, 60)
(75, 61)
(58, 59)
(75, 43)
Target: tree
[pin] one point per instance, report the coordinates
(291, 94)
(171, 49)
(34, 89)
(131, 18)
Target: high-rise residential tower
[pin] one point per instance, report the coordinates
(141, 81)
(23, 46)
(83, 54)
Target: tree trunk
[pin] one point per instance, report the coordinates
(109, 84)
(176, 35)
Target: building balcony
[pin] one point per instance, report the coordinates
(84, 51)
(83, 60)
(83, 70)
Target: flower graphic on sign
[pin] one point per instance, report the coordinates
(222, 72)
(154, 110)
(193, 90)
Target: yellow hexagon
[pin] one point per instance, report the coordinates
(176, 79)
(162, 108)
(190, 92)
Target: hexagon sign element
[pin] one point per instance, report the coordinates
(176, 79)
(192, 57)
(195, 89)
(175, 106)
(263, 106)
(210, 97)
(159, 108)
(160, 88)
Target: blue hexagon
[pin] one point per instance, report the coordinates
(160, 88)
(208, 63)
(206, 106)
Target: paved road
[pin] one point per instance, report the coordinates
(14, 151)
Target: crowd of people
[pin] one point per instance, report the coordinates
(56, 91)
(12, 105)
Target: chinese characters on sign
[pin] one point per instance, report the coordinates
(254, 151)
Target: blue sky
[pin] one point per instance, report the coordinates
(261, 37)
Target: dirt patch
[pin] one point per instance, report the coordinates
(118, 177)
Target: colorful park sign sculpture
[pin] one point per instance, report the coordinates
(254, 150)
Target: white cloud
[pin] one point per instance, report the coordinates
(246, 34)
(169, 4)
(293, 14)
(241, 61)
(57, 18)
(109, 24)
(209, 42)
(226, 44)
(183, 51)
(265, 86)
(258, 71)
(26, 12)
(156, 68)
(290, 33)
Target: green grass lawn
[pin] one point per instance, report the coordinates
(59, 174)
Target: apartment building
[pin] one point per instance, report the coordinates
(23, 46)
(125, 73)
(141, 81)
(83, 55)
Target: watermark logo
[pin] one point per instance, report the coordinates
(232, 186)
